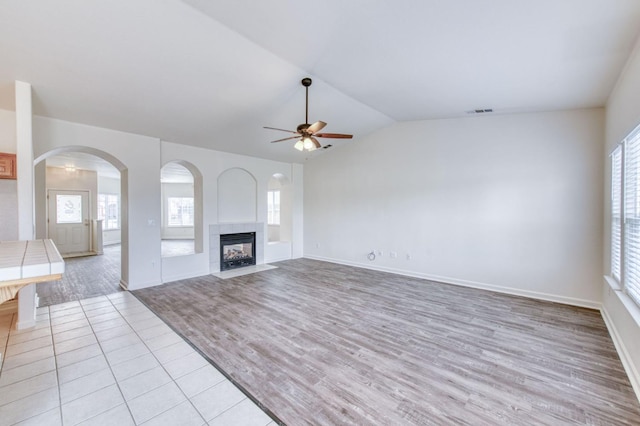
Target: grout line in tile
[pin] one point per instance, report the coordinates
(109, 366)
(132, 310)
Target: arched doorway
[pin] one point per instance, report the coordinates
(104, 180)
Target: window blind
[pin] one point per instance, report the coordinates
(631, 233)
(616, 213)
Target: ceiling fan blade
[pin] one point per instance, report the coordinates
(282, 130)
(333, 135)
(286, 139)
(316, 127)
(315, 142)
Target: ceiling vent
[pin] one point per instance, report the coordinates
(480, 111)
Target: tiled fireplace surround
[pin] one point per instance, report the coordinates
(233, 228)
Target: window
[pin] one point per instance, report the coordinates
(625, 215)
(273, 206)
(180, 211)
(109, 211)
(68, 208)
(616, 212)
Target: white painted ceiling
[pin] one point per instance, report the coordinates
(212, 73)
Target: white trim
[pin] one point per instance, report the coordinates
(627, 360)
(473, 284)
(632, 309)
(184, 276)
(623, 353)
(613, 283)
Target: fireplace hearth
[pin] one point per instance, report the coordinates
(237, 250)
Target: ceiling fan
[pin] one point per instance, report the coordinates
(307, 133)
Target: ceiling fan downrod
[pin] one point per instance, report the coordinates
(306, 82)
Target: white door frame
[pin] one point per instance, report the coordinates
(73, 238)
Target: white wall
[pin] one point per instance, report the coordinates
(237, 196)
(622, 316)
(8, 187)
(139, 157)
(511, 203)
(211, 165)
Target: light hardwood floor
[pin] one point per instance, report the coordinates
(318, 343)
(84, 277)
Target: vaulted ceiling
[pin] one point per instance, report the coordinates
(212, 73)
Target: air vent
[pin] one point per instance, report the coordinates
(480, 111)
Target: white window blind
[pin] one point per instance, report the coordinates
(631, 232)
(616, 213)
(181, 211)
(273, 207)
(109, 211)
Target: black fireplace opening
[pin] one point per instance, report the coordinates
(237, 250)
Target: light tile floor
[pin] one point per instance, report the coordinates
(109, 360)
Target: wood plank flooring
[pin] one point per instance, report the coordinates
(319, 344)
(84, 277)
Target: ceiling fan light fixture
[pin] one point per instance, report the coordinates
(308, 132)
(308, 144)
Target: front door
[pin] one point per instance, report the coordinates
(69, 221)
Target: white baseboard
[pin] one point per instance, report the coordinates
(623, 353)
(178, 277)
(473, 284)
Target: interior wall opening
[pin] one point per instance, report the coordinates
(181, 192)
(80, 203)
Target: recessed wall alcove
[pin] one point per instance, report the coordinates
(237, 196)
(237, 213)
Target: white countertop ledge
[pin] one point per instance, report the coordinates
(29, 259)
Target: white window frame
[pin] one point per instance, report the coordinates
(625, 215)
(182, 224)
(102, 214)
(274, 198)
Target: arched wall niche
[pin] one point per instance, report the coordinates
(196, 192)
(237, 196)
(282, 231)
(40, 193)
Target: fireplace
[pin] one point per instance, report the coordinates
(237, 250)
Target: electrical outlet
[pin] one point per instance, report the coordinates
(408, 256)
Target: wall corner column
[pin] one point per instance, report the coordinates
(26, 212)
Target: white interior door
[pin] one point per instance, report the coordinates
(69, 220)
